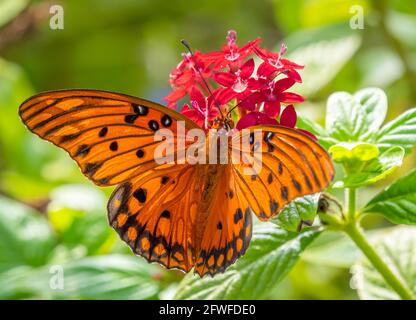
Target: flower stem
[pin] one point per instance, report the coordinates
(356, 234)
(351, 199)
(354, 231)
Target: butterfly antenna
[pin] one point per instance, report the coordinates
(188, 47)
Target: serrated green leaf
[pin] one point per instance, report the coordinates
(355, 117)
(401, 131)
(299, 210)
(397, 248)
(373, 170)
(398, 202)
(271, 255)
(374, 103)
(353, 151)
(345, 119)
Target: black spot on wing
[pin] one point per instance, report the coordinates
(268, 136)
(114, 146)
(166, 121)
(130, 118)
(165, 214)
(153, 125)
(140, 153)
(238, 215)
(91, 168)
(297, 185)
(140, 194)
(69, 137)
(251, 139)
(285, 193)
(273, 206)
(82, 150)
(140, 110)
(280, 168)
(103, 132)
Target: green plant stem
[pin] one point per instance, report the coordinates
(351, 197)
(354, 231)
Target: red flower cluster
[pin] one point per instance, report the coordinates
(234, 80)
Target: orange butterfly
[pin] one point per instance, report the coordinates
(181, 215)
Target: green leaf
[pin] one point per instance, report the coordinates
(373, 170)
(402, 25)
(355, 117)
(302, 209)
(76, 211)
(353, 151)
(78, 197)
(398, 202)
(369, 62)
(315, 128)
(25, 236)
(333, 249)
(374, 103)
(397, 248)
(108, 277)
(345, 119)
(401, 131)
(102, 277)
(323, 137)
(271, 255)
(323, 60)
(21, 282)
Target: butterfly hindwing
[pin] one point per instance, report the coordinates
(228, 227)
(109, 135)
(153, 213)
(292, 165)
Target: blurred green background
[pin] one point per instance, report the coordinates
(52, 217)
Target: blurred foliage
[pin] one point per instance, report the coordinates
(398, 247)
(51, 216)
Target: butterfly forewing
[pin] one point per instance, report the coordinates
(292, 165)
(109, 135)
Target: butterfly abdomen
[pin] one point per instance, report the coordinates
(209, 176)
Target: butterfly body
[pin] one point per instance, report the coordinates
(225, 123)
(181, 215)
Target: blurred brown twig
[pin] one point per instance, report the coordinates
(24, 23)
(39, 205)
